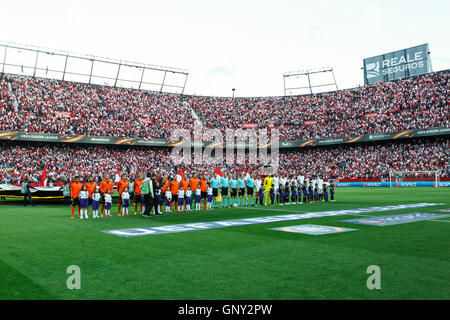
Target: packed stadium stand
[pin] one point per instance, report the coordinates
(48, 106)
(357, 161)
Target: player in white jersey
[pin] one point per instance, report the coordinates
(301, 179)
(84, 202)
(157, 209)
(168, 196)
(283, 181)
(180, 199)
(209, 191)
(108, 202)
(188, 199)
(258, 184)
(276, 188)
(320, 187)
(96, 196)
(198, 197)
(125, 202)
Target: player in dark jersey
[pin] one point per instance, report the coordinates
(280, 195)
(310, 193)
(305, 193)
(293, 193)
(325, 193)
(332, 191)
(272, 194)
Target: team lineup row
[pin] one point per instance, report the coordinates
(151, 193)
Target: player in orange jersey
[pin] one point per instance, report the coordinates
(204, 188)
(91, 185)
(174, 186)
(123, 183)
(164, 188)
(193, 183)
(75, 188)
(137, 193)
(184, 185)
(105, 185)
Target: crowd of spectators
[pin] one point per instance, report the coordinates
(49, 106)
(356, 161)
(419, 102)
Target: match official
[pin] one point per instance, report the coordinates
(147, 192)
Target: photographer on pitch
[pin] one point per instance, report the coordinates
(148, 193)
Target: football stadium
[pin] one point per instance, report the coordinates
(118, 183)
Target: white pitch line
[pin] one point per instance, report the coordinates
(439, 220)
(296, 211)
(361, 215)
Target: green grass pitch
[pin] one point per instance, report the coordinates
(247, 262)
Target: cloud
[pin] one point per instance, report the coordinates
(373, 17)
(220, 70)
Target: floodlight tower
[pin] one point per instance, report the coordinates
(61, 65)
(308, 73)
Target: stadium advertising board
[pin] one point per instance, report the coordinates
(397, 65)
(48, 137)
(393, 184)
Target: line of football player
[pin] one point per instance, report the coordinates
(184, 194)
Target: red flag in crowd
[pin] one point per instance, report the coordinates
(117, 177)
(218, 172)
(43, 177)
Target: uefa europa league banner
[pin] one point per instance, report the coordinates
(79, 139)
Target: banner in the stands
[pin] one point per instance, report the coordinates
(102, 140)
(14, 191)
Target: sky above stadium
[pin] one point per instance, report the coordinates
(246, 45)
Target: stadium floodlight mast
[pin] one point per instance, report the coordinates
(37, 65)
(307, 74)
